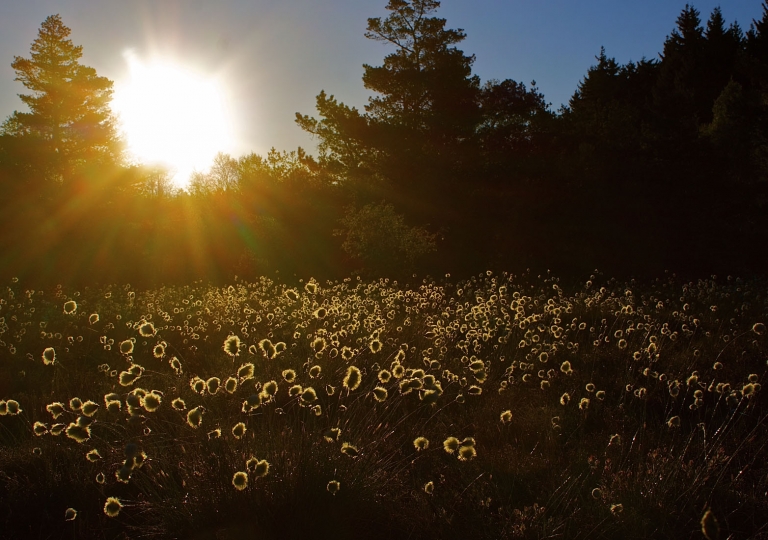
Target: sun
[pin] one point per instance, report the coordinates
(173, 116)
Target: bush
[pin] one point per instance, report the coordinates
(379, 237)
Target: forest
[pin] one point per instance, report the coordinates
(659, 164)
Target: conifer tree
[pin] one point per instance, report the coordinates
(69, 122)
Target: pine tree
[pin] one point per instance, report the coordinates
(69, 122)
(415, 138)
(427, 83)
(757, 37)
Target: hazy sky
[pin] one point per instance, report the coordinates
(276, 55)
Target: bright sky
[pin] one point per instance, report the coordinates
(274, 56)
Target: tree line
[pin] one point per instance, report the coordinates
(656, 164)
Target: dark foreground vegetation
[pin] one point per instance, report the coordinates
(656, 164)
(497, 407)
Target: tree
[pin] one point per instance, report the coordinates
(379, 237)
(416, 133)
(607, 115)
(69, 121)
(757, 37)
(222, 177)
(427, 83)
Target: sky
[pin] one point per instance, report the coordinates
(274, 56)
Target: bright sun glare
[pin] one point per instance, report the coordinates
(173, 116)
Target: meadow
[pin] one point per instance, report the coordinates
(499, 406)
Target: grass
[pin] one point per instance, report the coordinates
(497, 407)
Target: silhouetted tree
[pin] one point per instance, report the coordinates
(69, 122)
(418, 129)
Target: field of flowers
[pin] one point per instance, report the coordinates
(497, 407)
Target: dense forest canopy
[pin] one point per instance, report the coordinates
(656, 164)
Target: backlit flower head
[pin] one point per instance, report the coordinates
(318, 344)
(748, 390)
(126, 347)
(39, 429)
(239, 430)
(333, 487)
(232, 346)
(289, 376)
(245, 372)
(380, 393)
(112, 507)
(195, 417)
(349, 450)
(466, 453)
(56, 409)
(158, 351)
(474, 390)
(78, 433)
(230, 385)
(270, 388)
(178, 404)
(398, 371)
(353, 378)
(151, 402)
(49, 356)
(212, 385)
(308, 395)
(127, 378)
(421, 443)
(175, 364)
(147, 329)
(89, 408)
(197, 385)
(70, 307)
(451, 444)
(261, 469)
(267, 348)
(240, 480)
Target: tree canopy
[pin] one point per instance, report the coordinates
(69, 124)
(653, 164)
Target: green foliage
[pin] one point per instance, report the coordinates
(379, 237)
